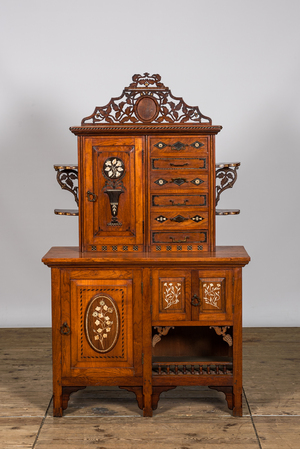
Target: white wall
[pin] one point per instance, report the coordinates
(237, 60)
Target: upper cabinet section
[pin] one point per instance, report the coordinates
(146, 173)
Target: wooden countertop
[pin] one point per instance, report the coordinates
(71, 256)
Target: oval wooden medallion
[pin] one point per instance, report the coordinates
(146, 109)
(102, 323)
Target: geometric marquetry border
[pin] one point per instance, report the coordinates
(121, 323)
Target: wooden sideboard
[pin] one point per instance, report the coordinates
(147, 302)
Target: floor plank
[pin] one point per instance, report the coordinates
(271, 370)
(277, 432)
(25, 371)
(170, 433)
(18, 432)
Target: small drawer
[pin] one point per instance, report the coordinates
(183, 200)
(173, 146)
(178, 237)
(191, 219)
(179, 163)
(167, 181)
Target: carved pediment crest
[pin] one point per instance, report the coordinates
(146, 100)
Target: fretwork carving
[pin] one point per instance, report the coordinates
(222, 331)
(226, 176)
(161, 331)
(146, 100)
(66, 178)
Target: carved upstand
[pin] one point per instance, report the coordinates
(147, 301)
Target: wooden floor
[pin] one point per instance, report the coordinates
(104, 418)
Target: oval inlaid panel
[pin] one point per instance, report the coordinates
(146, 109)
(102, 323)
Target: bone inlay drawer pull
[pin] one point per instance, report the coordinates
(179, 241)
(178, 165)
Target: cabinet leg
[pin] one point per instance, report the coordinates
(138, 391)
(147, 410)
(57, 401)
(66, 393)
(228, 391)
(156, 392)
(237, 403)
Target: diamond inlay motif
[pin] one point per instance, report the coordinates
(197, 218)
(161, 219)
(178, 146)
(179, 219)
(161, 182)
(197, 181)
(160, 145)
(178, 181)
(197, 144)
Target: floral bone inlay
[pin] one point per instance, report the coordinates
(212, 292)
(113, 167)
(103, 321)
(171, 292)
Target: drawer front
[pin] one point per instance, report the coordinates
(180, 200)
(179, 163)
(177, 146)
(179, 241)
(162, 181)
(189, 220)
(171, 293)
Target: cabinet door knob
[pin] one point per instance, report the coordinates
(195, 301)
(65, 330)
(91, 196)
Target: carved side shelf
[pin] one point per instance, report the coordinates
(67, 178)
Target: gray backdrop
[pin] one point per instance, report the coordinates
(237, 60)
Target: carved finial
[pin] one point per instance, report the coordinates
(147, 80)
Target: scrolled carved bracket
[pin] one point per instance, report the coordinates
(146, 100)
(222, 331)
(67, 176)
(161, 331)
(226, 176)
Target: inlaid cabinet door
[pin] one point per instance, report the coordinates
(171, 295)
(213, 295)
(103, 316)
(112, 197)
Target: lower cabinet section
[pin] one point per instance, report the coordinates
(146, 328)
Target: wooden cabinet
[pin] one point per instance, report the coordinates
(147, 301)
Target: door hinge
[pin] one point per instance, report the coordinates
(143, 227)
(142, 156)
(142, 287)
